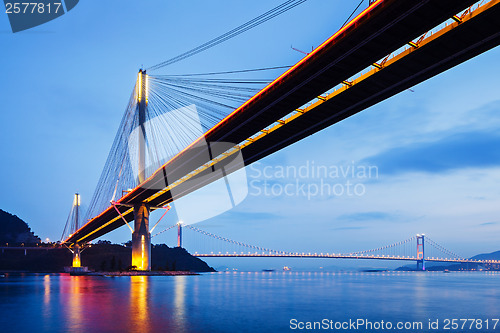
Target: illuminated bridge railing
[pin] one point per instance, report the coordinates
(204, 244)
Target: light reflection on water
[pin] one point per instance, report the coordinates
(238, 301)
(179, 301)
(139, 307)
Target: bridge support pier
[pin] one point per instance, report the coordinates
(141, 238)
(76, 256)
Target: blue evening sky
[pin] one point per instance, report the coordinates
(65, 86)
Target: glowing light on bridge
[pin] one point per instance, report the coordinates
(139, 259)
(142, 79)
(76, 260)
(76, 256)
(76, 201)
(138, 87)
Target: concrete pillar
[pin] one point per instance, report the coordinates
(141, 238)
(76, 256)
(142, 101)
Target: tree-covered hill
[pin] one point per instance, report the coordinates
(14, 231)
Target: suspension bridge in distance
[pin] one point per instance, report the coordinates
(388, 48)
(419, 249)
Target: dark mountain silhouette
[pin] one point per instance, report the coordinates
(488, 256)
(102, 256)
(14, 231)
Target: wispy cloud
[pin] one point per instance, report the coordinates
(349, 228)
(488, 223)
(242, 216)
(366, 216)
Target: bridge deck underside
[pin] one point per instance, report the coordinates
(371, 36)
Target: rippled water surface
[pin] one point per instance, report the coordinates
(243, 301)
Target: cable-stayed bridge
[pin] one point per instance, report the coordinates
(229, 123)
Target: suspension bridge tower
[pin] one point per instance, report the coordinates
(141, 237)
(420, 252)
(179, 234)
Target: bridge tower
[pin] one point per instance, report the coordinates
(420, 252)
(179, 234)
(72, 225)
(75, 226)
(141, 237)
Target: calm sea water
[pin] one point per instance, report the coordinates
(243, 301)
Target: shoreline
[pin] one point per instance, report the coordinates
(113, 274)
(140, 273)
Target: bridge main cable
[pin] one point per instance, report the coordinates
(276, 11)
(206, 233)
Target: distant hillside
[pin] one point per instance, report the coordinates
(459, 267)
(15, 231)
(99, 257)
(488, 256)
